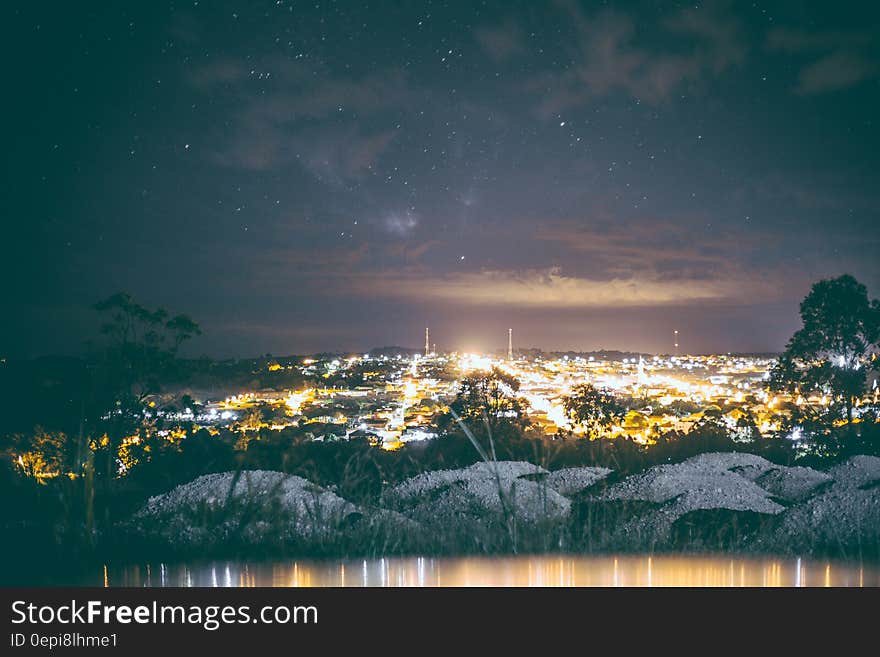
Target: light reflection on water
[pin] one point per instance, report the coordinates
(545, 571)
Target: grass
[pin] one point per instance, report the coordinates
(507, 498)
(63, 525)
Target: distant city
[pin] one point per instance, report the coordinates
(393, 396)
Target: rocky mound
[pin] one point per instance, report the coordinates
(711, 501)
(571, 481)
(481, 490)
(792, 484)
(723, 481)
(256, 507)
(843, 517)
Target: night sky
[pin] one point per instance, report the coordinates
(306, 176)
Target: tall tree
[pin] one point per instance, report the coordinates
(593, 409)
(832, 354)
(140, 351)
(489, 398)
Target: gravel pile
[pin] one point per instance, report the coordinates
(571, 481)
(787, 509)
(707, 481)
(263, 505)
(792, 484)
(844, 516)
(444, 496)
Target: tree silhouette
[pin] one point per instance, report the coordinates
(833, 353)
(489, 398)
(592, 408)
(141, 350)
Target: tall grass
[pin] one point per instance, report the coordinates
(507, 498)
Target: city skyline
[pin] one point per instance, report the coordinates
(300, 179)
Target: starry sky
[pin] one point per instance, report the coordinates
(308, 176)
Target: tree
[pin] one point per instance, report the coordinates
(489, 398)
(141, 350)
(593, 409)
(41, 455)
(142, 343)
(832, 354)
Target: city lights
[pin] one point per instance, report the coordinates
(400, 399)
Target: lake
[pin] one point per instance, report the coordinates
(543, 571)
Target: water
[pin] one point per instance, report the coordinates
(545, 571)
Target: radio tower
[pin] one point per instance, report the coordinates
(676, 342)
(510, 344)
(427, 343)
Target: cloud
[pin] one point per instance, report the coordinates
(718, 37)
(329, 96)
(606, 58)
(409, 253)
(839, 59)
(550, 288)
(836, 71)
(223, 71)
(339, 155)
(501, 42)
(798, 40)
(400, 224)
(285, 114)
(662, 248)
